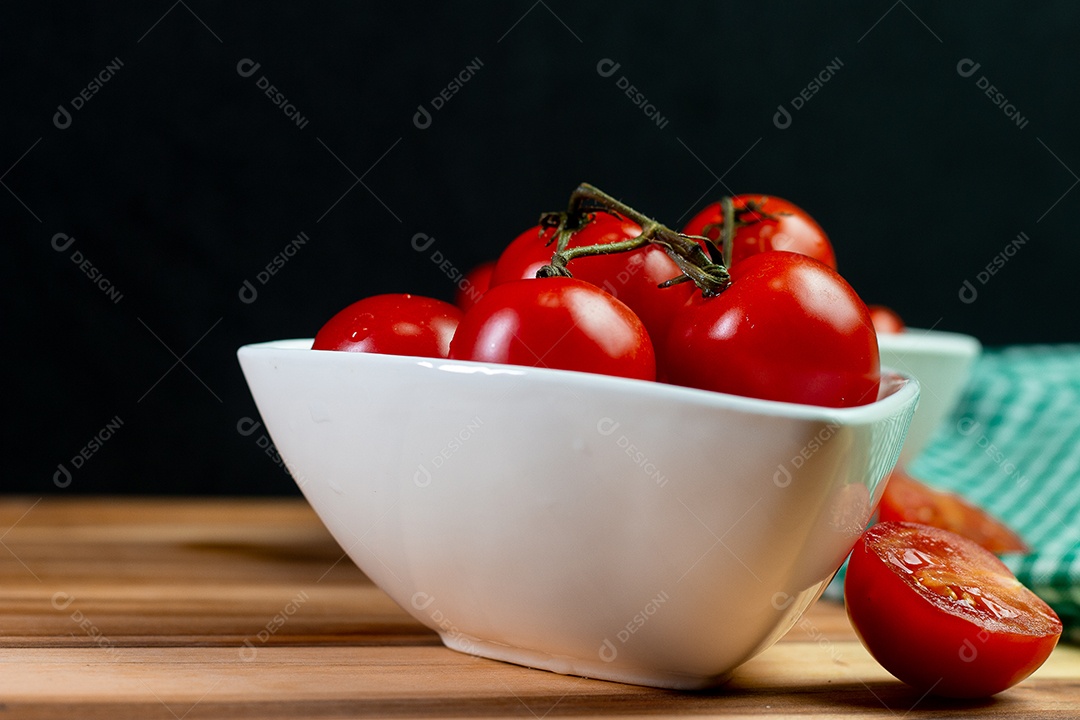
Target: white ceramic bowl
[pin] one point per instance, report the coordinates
(942, 362)
(583, 524)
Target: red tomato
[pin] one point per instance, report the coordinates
(633, 277)
(788, 328)
(907, 499)
(789, 228)
(473, 286)
(885, 320)
(556, 322)
(943, 614)
(394, 324)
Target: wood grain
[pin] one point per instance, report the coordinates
(247, 608)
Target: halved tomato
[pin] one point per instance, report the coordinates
(943, 614)
(907, 499)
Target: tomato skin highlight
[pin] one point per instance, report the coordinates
(907, 499)
(557, 322)
(394, 324)
(790, 228)
(901, 596)
(633, 277)
(473, 286)
(788, 328)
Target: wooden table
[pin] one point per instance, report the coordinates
(158, 608)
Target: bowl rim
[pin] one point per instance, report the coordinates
(902, 387)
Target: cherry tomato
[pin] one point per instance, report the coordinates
(473, 286)
(556, 322)
(394, 324)
(788, 328)
(777, 224)
(633, 277)
(943, 614)
(907, 499)
(886, 320)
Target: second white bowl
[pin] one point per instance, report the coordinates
(941, 362)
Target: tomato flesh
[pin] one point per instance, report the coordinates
(556, 322)
(943, 614)
(907, 499)
(395, 324)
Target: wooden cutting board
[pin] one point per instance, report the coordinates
(185, 609)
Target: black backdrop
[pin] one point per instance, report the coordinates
(149, 180)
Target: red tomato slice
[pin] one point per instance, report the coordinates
(907, 499)
(943, 614)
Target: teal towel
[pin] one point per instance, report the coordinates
(1012, 446)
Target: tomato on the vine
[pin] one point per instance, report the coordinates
(394, 324)
(788, 328)
(473, 286)
(556, 322)
(633, 277)
(764, 223)
(943, 614)
(886, 320)
(907, 499)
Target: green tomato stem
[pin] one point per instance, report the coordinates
(727, 233)
(694, 262)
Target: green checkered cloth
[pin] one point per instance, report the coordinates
(1012, 446)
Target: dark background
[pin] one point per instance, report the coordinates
(180, 179)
